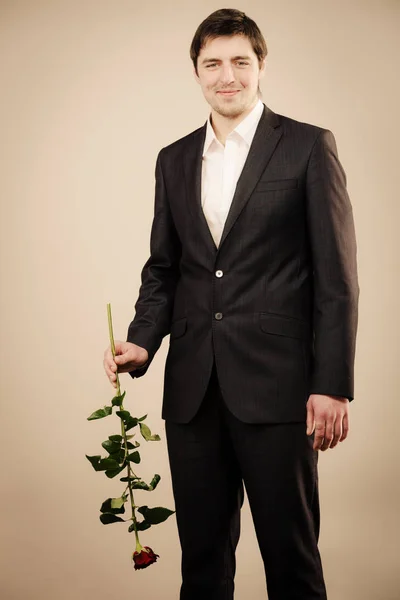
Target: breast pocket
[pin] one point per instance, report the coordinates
(276, 185)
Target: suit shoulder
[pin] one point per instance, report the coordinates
(309, 137)
(181, 143)
(301, 129)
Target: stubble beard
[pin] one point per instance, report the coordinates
(232, 111)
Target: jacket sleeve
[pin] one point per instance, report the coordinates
(334, 257)
(159, 277)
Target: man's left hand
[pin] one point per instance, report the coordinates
(329, 416)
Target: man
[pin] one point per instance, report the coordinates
(253, 273)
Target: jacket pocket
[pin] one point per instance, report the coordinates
(282, 325)
(277, 184)
(178, 328)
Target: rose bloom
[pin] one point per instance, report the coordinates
(144, 558)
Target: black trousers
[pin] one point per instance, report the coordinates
(210, 458)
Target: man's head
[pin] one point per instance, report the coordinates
(228, 53)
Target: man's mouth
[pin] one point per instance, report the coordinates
(228, 92)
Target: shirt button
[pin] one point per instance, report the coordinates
(218, 316)
(219, 273)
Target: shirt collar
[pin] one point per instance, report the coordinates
(245, 129)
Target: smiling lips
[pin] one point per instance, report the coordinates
(228, 93)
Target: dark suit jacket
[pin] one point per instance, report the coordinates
(276, 303)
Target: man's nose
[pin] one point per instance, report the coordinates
(227, 75)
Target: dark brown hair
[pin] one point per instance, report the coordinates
(228, 21)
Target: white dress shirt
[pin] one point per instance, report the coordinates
(221, 169)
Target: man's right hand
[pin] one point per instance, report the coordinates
(128, 357)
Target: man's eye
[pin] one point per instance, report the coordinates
(239, 62)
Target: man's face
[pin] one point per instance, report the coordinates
(229, 64)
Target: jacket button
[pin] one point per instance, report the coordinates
(219, 273)
(218, 316)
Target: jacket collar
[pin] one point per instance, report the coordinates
(245, 129)
(266, 138)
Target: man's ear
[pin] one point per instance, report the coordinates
(262, 68)
(196, 76)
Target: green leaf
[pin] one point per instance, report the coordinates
(146, 433)
(124, 414)
(140, 526)
(118, 400)
(155, 515)
(142, 485)
(119, 455)
(94, 460)
(108, 505)
(142, 418)
(134, 457)
(130, 422)
(154, 481)
(117, 503)
(113, 472)
(128, 478)
(111, 447)
(134, 445)
(107, 463)
(115, 438)
(107, 518)
(99, 414)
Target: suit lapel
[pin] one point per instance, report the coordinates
(192, 168)
(263, 145)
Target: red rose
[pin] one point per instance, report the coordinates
(144, 558)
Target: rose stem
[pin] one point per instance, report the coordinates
(123, 432)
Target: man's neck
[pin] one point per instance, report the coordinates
(224, 125)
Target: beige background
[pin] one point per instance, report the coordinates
(90, 91)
